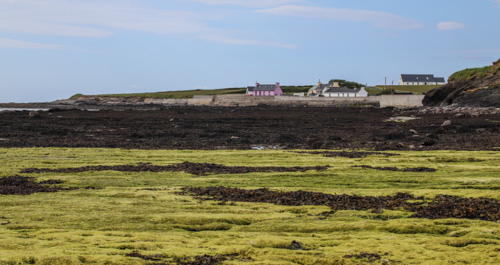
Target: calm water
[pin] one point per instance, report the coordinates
(21, 109)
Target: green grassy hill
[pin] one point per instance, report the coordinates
(191, 93)
(174, 94)
(473, 73)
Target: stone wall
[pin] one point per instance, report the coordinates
(248, 101)
(167, 101)
(404, 101)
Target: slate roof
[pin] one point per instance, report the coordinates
(264, 88)
(440, 79)
(341, 90)
(250, 88)
(421, 78)
(319, 88)
(323, 86)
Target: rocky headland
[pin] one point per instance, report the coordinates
(477, 87)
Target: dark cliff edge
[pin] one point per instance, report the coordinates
(478, 87)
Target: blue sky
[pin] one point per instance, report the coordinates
(52, 49)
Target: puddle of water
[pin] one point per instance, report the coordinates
(401, 119)
(263, 147)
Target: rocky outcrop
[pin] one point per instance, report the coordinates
(478, 87)
(450, 110)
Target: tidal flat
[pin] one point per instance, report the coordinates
(143, 217)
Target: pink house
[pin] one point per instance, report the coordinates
(264, 90)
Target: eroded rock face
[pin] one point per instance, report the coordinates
(481, 90)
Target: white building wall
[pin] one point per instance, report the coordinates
(362, 93)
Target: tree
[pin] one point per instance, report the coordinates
(344, 83)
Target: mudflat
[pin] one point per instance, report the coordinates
(210, 128)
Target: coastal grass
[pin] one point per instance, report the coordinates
(475, 73)
(114, 214)
(420, 89)
(470, 73)
(173, 94)
(196, 92)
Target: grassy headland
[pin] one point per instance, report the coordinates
(476, 73)
(197, 92)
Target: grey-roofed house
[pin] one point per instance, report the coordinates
(335, 91)
(318, 89)
(250, 90)
(264, 90)
(344, 92)
(412, 79)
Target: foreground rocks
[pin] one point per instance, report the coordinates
(20, 185)
(452, 110)
(198, 169)
(443, 206)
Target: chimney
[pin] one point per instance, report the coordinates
(278, 84)
(257, 84)
(336, 84)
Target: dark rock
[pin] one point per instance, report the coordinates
(428, 142)
(34, 114)
(472, 91)
(295, 245)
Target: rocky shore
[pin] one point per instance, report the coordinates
(262, 127)
(451, 110)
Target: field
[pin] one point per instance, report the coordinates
(122, 217)
(413, 89)
(198, 92)
(175, 94)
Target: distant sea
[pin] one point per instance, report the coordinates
(21, 109)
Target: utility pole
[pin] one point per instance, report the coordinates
(385, 83)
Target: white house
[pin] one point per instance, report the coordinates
(410, 80)
(335, 91)
(344, 92)
(318, 89)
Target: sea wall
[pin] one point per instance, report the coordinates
(404, 101)
(248, 101)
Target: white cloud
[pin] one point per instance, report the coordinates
(450, 25)
(237, 41)
(91, 19)
(251, 3)
(378, 19)
(98, 19)
(11, 43)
